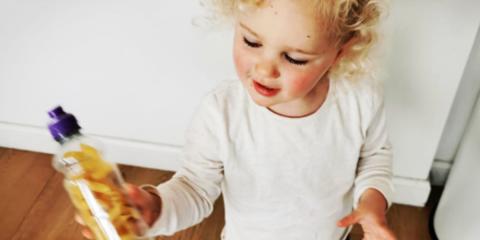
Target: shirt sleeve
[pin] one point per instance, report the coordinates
(374, 169)
(188, 197)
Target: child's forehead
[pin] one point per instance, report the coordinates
(302, 7)
(294, 18)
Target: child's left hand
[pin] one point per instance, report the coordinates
(370, 214)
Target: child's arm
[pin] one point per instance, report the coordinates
(189, 196)
(374, 169)
(373, 182)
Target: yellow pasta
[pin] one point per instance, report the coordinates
(97, 175)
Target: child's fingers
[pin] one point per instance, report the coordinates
(78, 219)
(143, 201)
(350, 219)
(85, 231)
(87, 234)
(138, 227)
(138, 196)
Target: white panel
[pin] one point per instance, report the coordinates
(462, 106)
(429, 45)
(457, 211)
(129, 69)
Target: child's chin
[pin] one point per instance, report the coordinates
(260, 101)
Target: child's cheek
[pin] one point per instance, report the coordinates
(238, 60)
(239, 65)
(302, 83)
(241, 62)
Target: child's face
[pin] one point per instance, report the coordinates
(281, 53)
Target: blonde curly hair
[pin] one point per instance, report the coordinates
(352, 24)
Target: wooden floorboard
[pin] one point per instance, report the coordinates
(23, 176)
(34, 205)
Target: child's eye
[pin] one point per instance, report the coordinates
(295, 61)
(251, 44)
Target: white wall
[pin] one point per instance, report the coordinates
(133, 73)
(128, 69)
(430, 45)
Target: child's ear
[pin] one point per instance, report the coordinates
(344, 49)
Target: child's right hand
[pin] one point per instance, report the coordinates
(147, 203)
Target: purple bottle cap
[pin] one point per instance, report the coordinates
(63, 124)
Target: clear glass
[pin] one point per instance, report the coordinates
(95, 187)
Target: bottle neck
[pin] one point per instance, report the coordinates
(70, 137)
(66, 165)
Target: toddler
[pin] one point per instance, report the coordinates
(298, 144)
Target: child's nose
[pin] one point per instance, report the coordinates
(266, 69)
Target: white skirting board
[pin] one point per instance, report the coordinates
(408, 191)
(123, 151)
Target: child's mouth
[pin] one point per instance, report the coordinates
(264, 90)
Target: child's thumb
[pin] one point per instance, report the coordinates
(145, 202)
(348, 220)
(136, 194)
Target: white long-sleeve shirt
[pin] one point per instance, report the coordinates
(281, 178)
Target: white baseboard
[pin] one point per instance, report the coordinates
(408, 191)
(411, 191)
(122, 151)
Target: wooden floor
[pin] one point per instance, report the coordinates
(34, 205)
